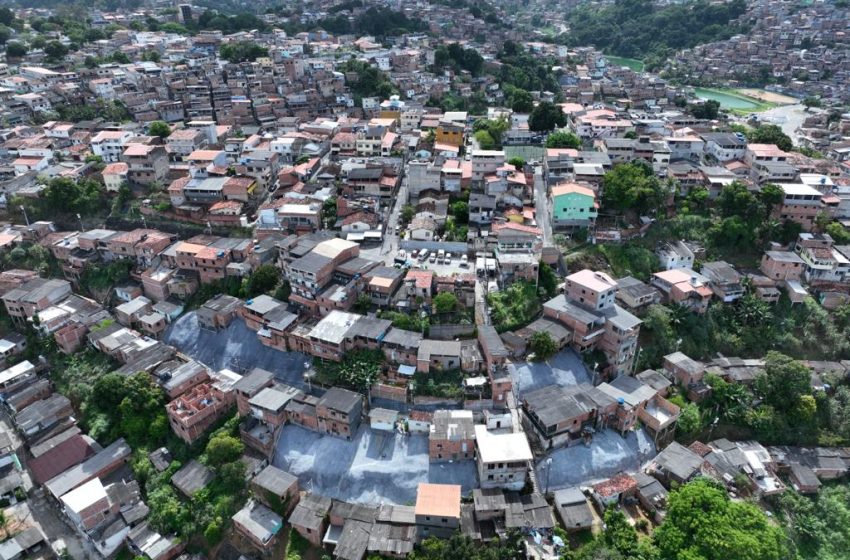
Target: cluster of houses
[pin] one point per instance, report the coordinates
(90, 485)
(798, 49)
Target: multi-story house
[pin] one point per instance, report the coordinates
(109, 144)
(675, 254)
(588, 309)
(181, 143)
(503, 459)
(684, 287)
(823, 262)
(486, 162)
(452, 435)
(724, 281)
(725, 146)
(193, 412)
(782, 266)
(24, 302)
(339, 412)
(801, 204)
(573, 206)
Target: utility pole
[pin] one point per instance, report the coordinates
(26, 219)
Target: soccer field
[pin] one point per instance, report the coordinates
(527, 153)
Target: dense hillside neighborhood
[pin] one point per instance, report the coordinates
(425, 280)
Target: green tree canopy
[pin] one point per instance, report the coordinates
(563, 139)
(632, 186)
(223, 448)
(159, 128)
(542, 344)
(242, 51)
(770, 134)
(545, 117)
(15, 49)
(784, 381)
(702, 523)
(445, 302)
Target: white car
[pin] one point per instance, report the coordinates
(464, 261)
(448, 258)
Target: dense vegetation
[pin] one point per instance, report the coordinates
(377, 21)
(639, 28)
(701, 523)
(514, 307)
(64, 196)
(365, 80)
(818, 525)
(242, 51)
(526, 71)
(358, 371)
(458, 58)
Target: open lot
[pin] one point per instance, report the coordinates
(608, 454)
(365, 470)
(236, 348)
(563, 369)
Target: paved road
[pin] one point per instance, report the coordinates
(390, 245)
(543, 206)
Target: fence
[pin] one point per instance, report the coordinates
(455, 247)
(450, 332)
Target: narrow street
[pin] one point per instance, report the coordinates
(543, 206)
(389, 247)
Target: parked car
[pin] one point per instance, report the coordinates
(448, 258)
(433, 258)
(423, 256)
(464, 261)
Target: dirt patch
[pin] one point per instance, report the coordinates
(768, 96)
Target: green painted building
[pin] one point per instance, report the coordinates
(573, 206)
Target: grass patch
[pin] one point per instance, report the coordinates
(296, 546)
(633, 63)
(718, 94)
(514, 307)
(446, 384)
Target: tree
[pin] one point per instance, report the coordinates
(784, 381)
(242, 51)
(735, 199)
(159, 128)
(445, 302)
(496, 128)
(811, 101)
(542, 344)
(547, 280)
(329, 212)
(708, 109)
(262, 280)
(223, 448)
(563, 139)
(485, 140)
(460, 211)
(618, 534)
(283, 291)
(517, 162)
(770, 134)
(702, 523)
(55, 50)
(521, 101)
(545, 117)
(407, 213)
(14, 49)
(632, 186)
